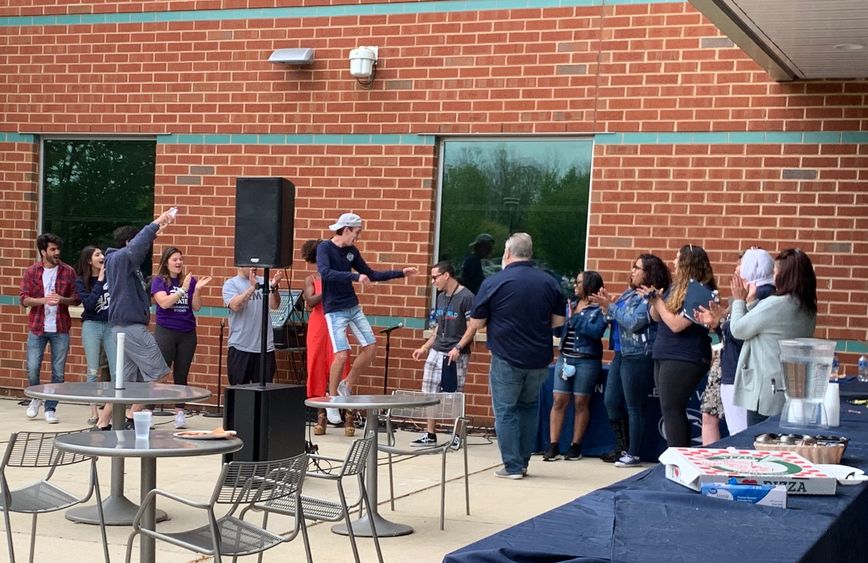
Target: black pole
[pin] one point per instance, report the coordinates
(266, 326)
(388, 332)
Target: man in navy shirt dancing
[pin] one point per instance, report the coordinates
(336, 259)
(520, 305)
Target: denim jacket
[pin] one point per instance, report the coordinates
(637, 330)
(590, 326)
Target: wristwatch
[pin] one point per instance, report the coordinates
(458, 346)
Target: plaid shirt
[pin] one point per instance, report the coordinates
(31, 286)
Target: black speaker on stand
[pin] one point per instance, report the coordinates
(268, 417)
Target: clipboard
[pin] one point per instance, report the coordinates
(698, 295)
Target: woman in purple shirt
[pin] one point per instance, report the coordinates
(175, 333)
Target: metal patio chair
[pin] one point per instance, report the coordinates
(240, 485)
(330, 509)
(451, 408)
(36, 450)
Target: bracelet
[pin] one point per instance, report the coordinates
(181, 293)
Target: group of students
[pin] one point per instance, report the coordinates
(658, 342)
(175, 294)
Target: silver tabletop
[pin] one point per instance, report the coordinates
(118, 509)
(158, 444)
(372, 404)
(105, 392)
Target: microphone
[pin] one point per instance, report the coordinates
(391, 328)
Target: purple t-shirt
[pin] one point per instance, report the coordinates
(180, 315)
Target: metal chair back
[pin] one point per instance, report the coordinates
(249, 482)
(354, 463)
(36, 449)
(450, 407)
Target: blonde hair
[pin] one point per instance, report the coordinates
(693, 264)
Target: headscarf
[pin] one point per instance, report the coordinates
(757, 267)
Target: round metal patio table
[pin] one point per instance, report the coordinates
(121, 444)
(372, 404)
(118, 509)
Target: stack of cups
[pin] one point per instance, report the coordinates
(142, 424)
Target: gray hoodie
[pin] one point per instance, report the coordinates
(130, 302)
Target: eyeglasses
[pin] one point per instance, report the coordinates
(435, 276)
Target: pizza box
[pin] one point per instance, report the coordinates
(692, 467)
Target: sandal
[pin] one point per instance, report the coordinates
(321, 422)
(349, 424)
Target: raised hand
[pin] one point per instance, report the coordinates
(410, 271)
(202, 282)
(187, 280)
(739, 287)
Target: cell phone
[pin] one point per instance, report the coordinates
(449, 376)
(173, 211)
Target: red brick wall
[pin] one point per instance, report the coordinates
(645, 68)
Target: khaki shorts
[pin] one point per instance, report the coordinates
(143, 360)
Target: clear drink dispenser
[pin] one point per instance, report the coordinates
(806, 364)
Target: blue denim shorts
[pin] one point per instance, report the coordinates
(353, 318)
(582, 383)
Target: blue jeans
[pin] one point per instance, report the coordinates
(629, 383)
(93, 335)
(35, 352)
(515, 399)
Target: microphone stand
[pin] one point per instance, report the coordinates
(219, 412)
(388, 333)
(266, 326)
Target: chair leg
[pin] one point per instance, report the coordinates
(442, 490)
(466, 473)
(373, 525)
(32, 537)
(300, 521)
(350, 524)
(9, 536)
(99, 511)
(391, 485)
(130, 545)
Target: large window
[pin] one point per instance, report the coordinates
(493, 187)
(90, 187)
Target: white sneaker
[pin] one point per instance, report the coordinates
(33, 408)
(344, 389)
(334, 416)
(51, 417)
(180, 420)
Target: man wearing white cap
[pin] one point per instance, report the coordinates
(336, 259)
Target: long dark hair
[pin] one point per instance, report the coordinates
(656, 273)
(796, 277)
(82, 267)
(592, 282)
(163, 271)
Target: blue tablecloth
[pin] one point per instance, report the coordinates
(648, 518)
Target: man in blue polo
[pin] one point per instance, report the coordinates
(520, 305)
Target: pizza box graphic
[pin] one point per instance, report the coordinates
(692, 467)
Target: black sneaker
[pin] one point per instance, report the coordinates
(574, 453)
(456, 443)
(611, 457)
(427, 439)
(552, 454)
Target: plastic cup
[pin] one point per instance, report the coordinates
(142, 424)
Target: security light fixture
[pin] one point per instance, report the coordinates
(295, 56)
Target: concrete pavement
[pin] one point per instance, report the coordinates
(495, 504)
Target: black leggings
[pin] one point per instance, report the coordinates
(676, 381)
(178, 349)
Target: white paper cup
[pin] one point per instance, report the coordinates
(142, 424)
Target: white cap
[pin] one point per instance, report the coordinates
(347, 220)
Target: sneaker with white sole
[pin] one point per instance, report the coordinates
(180, 419)
(51, 417)
(33, 408)
(628, 460)
(502, 473)
(456, 443)
(426, 439)
(344, 389)
(334, 416)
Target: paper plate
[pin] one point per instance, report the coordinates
(203, 435)
(845, 474)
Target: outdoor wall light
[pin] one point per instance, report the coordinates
(296, 56)
(363, 64)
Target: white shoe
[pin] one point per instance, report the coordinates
(180, 420)
(334, 416)
(344, 389)
(51, 417)
(33, 408)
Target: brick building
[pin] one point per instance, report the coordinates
(691, 141)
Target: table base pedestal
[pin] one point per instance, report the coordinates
(118, 511)
(385, 529)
